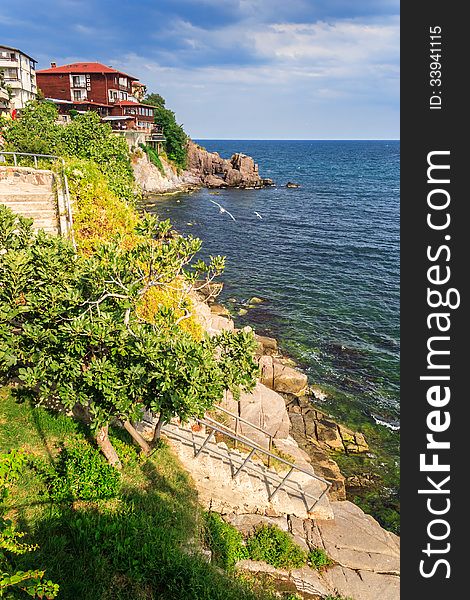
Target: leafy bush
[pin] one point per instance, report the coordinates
(37, 131)
(225, 541)
(86, 137)
(153, 157)
(30, 582)
(319, 559)
(269, 544)
(70, 329)
(175, 136)
(99, 214)
(81, 473)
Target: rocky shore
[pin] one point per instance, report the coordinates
(365, 556)
(204, 169)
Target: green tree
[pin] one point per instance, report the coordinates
(154, 99)
(176, 138)
(36, 130)
(87, 137)
(70, 328)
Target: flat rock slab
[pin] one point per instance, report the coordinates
(356, 541)
(362, 585)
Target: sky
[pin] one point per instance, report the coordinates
(235, 69)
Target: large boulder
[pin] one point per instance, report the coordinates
(280, 377)
(356, 541)
(262, 407)
(266, 345)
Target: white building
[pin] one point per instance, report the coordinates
(19, 71)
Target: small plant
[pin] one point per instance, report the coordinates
(153, 157)
(269, 544)
(319, 559)
(80, 472)
(225, 541)
(30, 582)
(127, 453)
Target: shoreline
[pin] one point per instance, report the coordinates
(328, 439)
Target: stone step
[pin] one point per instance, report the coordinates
(14, 195)
(46, 203)
(39, 215)
(213, 468)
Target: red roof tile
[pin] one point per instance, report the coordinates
(83, 68)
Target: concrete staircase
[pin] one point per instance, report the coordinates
(31, 193)
(249, 492)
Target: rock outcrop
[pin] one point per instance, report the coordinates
(152, 181)
(366, 558)
(205, 169)
(213, 171)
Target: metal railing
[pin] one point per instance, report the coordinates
(239, 420)
(62, 182)
(280, 482)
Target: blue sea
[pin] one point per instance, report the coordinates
(324, 257)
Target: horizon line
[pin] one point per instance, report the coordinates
(299, 139)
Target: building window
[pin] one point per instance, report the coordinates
(78, 81)
(79, 95)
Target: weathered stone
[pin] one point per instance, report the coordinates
(289, 380)
(308, 581)
(218, 309)
(264, 408)
(362, 585)
(247, 523)
(266, 366)
(215, 171)
(327, 433)
(357, 541)
(209, 291)
(289, 448)
(214, 182)
(267, 345)
(220, 324)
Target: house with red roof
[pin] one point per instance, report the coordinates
(110, 92)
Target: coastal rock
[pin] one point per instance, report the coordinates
(208, 292)
(262, 407)
(213, 182)
(327, 433)
(281, 377)
(288, 380)
(152, 181)
(216, 172)
(323, 464)
(233, 178)
(305, 581)
(247, 523)
(218, 309)
(266, 345)
(362, 585)
(357, 541)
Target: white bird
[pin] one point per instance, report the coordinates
(258, 215)
(223, 210)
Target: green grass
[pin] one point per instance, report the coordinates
(269, 544)
(142, 545)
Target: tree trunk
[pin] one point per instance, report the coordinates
(158, 428)
(137, 437)
(107, 448)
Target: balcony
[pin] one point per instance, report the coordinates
(8, 62)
